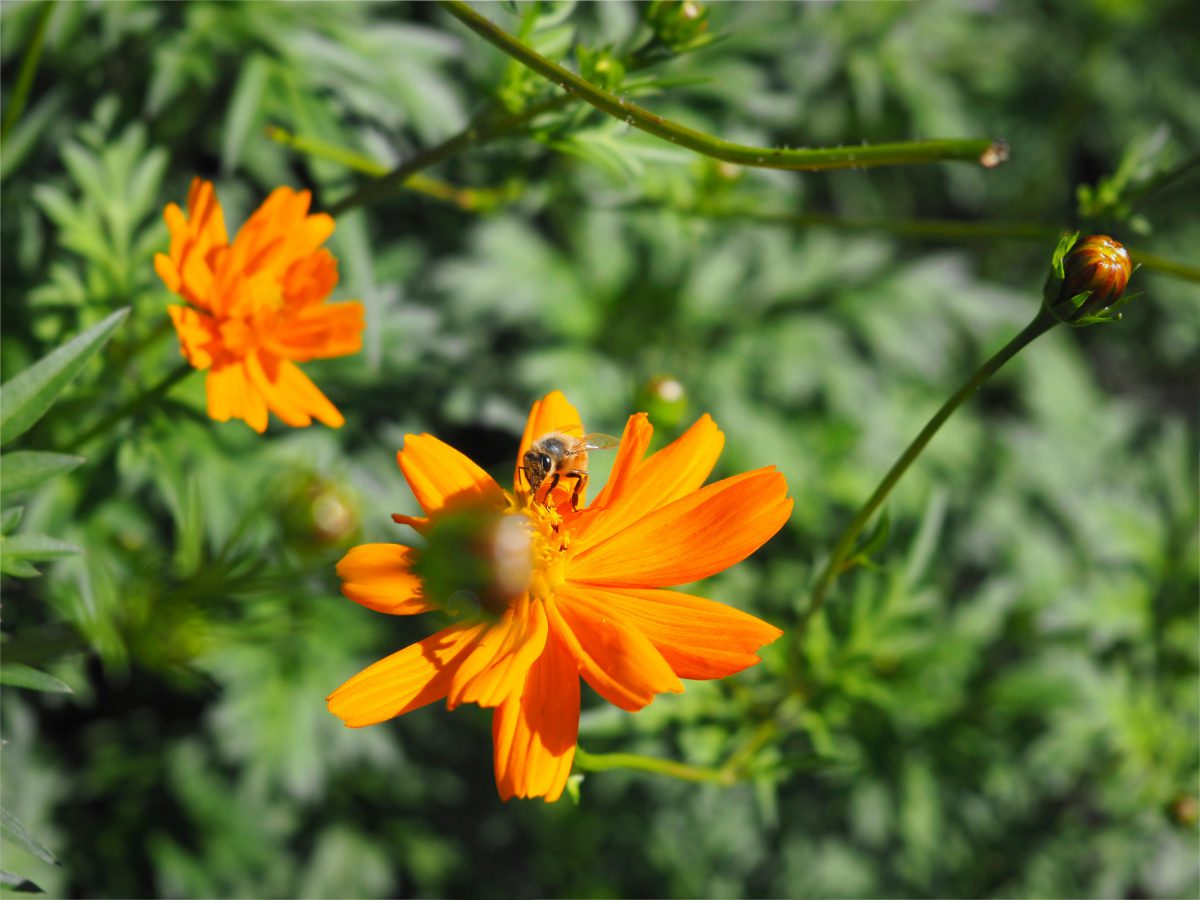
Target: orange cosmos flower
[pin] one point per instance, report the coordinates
(257, 306)
(591, 601)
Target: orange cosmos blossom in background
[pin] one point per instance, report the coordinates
(593, 603)
(257, 306)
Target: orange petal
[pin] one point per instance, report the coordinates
(675, 471)
(616, 659)
(198, 335)
(379, 576)
(207, 219)
(698, 638)
(692, 538)
(634, 441)
(406, 680)
(232, 396)
(440, 476)
(417, 523)
(496, 668)
(310, 279)
(552, 413)
(319, 332)
(167, 271)
(534, 732)
(289, 392)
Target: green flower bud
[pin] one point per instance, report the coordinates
(477, 560)
(319, 513)
(1097, 264)
(665, 399)
(678, 24)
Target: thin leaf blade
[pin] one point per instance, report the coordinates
(26, 469)
(27, 396)
(11, 829)
(16, 674)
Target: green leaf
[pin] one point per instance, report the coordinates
(19, 883)
(42, 645)
(26, 469)
(244, 110)
(10, 519)
(14, 831)
(20, 675)
(26, 397)
(17, 550)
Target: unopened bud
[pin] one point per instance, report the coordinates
(1097, 264)
(476, 560)
(665, 399)
(679, 24)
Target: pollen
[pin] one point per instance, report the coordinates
(548, 543)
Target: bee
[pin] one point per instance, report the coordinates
(557, 455)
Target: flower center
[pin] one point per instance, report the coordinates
(548, 549)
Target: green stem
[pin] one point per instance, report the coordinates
(325, 150)
(464, 198)
(135, 404)
(985, 152)
(949, 229)
(1165, 266)
(1041, 323)
(602, 762)
(20, 94)
(923, 228)
(482, 130)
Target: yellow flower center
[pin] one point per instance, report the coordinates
(543, 545)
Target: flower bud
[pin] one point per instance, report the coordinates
(477, 560)
(665, 399)
(678, 24)
(1097, 264)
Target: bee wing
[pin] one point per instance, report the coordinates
(595, 441)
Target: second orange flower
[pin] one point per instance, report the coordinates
(256, 307)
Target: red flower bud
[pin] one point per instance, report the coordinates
(1100, 265)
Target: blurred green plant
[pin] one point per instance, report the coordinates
(1000, 699)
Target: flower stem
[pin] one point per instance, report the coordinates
(33, 55)
(1041, 323)
(952, 229)
(484, 128)
(935, 229)
(135, 404)
(601, 762)
(464, 198)
(1165, 266)
(985, 152)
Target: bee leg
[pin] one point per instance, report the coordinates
(580, 481)
(554, 479)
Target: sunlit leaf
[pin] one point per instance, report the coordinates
(20, 675)
(18, 550)
(12, 830)
(26, 469)
(26, 397)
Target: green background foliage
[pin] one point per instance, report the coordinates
(1004, 703)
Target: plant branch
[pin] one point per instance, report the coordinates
(135, 404)
(602, 762)
(842, 550)
(464, 198)
(485, 128)
(1164, 266)
(948, 229)
(984, 152)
